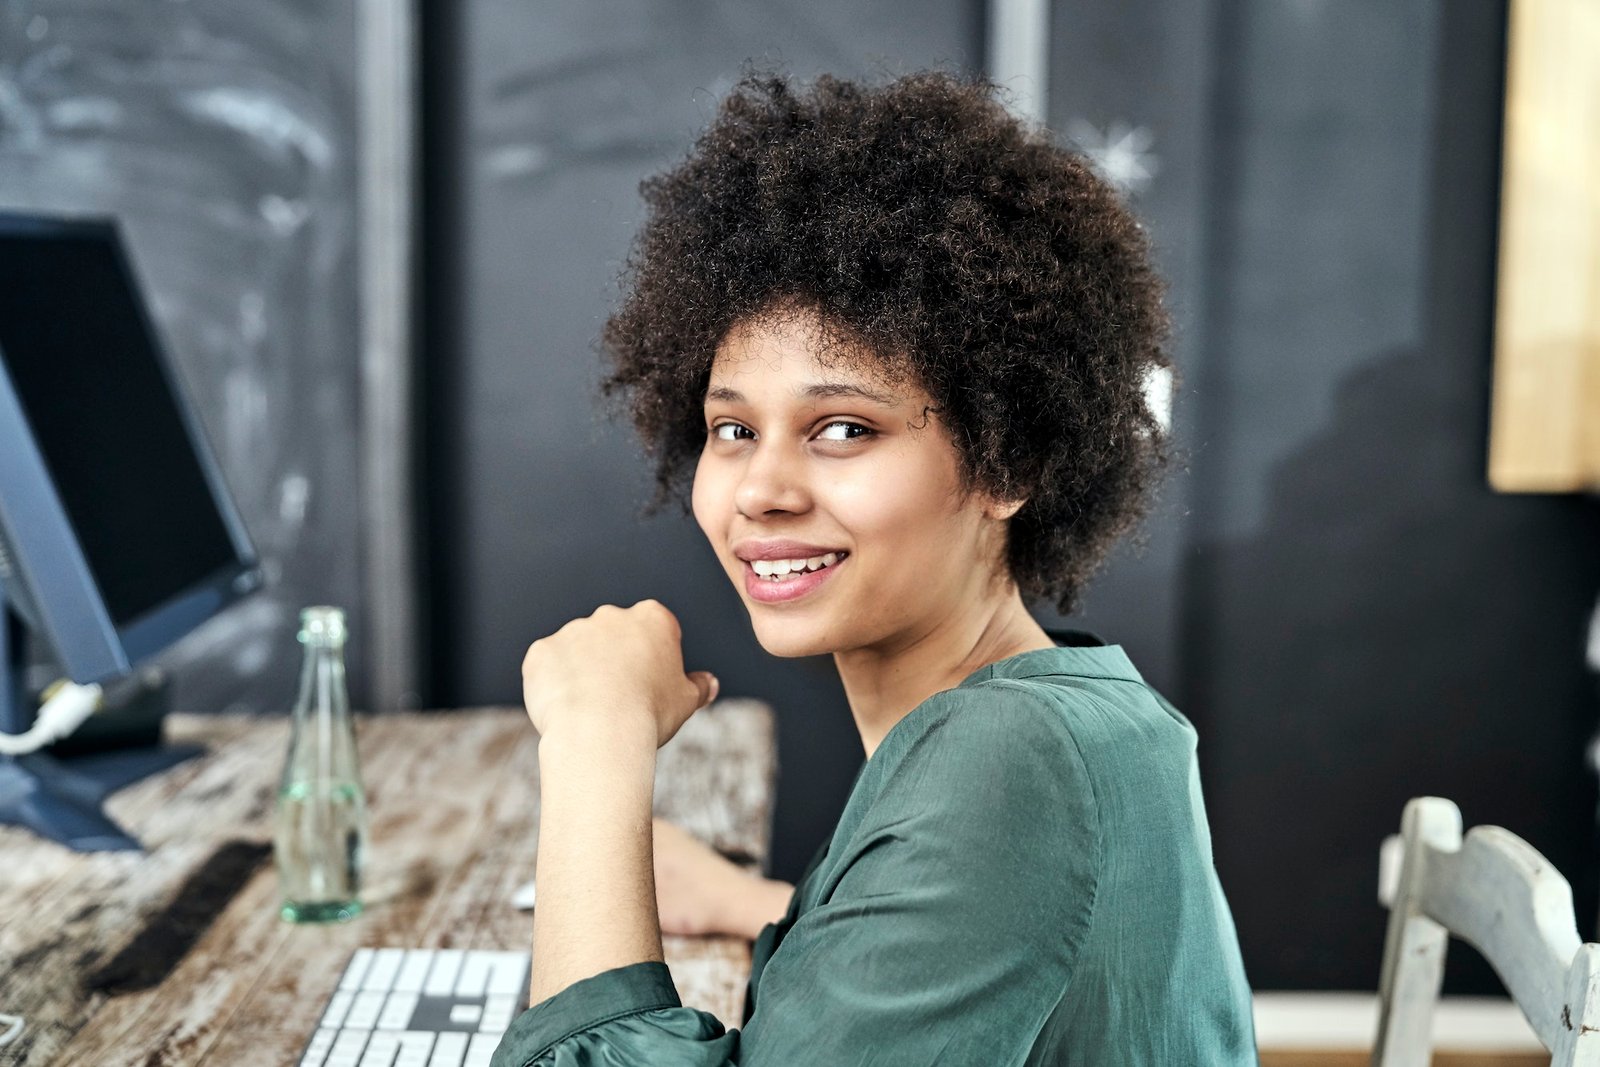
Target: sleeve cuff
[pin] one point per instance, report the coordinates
(611, 994)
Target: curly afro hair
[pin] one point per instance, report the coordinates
(960, 248)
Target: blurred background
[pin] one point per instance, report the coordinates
(380, 239)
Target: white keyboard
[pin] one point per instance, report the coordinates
(399, 1007)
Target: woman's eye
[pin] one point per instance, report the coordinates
(865, 431)
(716, 431)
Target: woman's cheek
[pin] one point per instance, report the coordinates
(873, 496)
(704, 501)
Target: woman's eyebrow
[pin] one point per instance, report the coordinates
(817, 391)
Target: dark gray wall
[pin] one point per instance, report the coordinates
(539, 131)
(221, 135)
(1366, 621)
(1140, 71)
(1329, 590)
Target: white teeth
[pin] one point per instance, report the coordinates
(780, 568)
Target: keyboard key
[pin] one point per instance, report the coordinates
(317, 1050)
(481, 1050)
(414, 1048)
(396, 1014)
(381, 1050)
(442, 979)
(346, 1050)
(474, 977)
(385, 965)
(466, 1013)
(509, 972)
(497, 1013)
(449, 1050)
(357, 969)
(338, 1005)
(414, 971)
(364, 1011)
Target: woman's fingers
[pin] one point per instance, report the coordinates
(708, 685)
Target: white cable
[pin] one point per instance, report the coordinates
(59, 716)
(14, 1026)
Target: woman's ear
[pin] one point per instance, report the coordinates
(1004, 509)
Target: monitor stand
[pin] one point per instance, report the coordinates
(61, 799)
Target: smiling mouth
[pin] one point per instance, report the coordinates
(778, 579)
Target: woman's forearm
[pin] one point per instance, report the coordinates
(597, 899)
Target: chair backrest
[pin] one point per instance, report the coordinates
(1496, 892)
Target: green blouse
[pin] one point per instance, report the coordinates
(1022, 875)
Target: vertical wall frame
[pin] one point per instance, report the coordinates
(388, 109)
(1018, 53)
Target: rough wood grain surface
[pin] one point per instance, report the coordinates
(1544, 427)
(178, 957)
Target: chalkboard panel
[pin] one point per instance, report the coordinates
(220, 135)
(541, 128)
(1367, 621)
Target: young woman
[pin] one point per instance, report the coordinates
(901, 342)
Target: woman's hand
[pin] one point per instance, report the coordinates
(694, 885)
(699, 892)
(617, 669)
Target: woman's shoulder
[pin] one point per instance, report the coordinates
(1092, 710)
(1003, 744)
(1046, 707)
(965, 743)
(973, 720)
(1063, 729)
(984, 773)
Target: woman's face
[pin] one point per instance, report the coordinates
(836, 462)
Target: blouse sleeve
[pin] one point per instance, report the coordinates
(950, 935)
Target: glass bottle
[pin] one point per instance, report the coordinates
(320, 842)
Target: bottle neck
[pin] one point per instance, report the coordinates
(322, 681)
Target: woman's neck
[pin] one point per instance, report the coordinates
(884, 684)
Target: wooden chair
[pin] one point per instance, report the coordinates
(1496, 892)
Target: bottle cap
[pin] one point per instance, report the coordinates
(322, 623)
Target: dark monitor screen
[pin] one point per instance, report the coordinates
(93, 390)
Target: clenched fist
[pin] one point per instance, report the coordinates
(616, 669)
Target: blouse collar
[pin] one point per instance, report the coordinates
(1077, 653)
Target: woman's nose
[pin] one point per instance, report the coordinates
(773, 480)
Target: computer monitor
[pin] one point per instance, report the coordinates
(117, 533)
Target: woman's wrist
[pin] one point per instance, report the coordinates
(619, 741)
(756, 902)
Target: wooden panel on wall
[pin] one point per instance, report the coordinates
(1545, 419)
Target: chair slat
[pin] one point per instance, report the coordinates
(1414, 945)
(1501, 896)
(1578, 1041)
(1497, 892)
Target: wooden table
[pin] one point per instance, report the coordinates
(178, 956)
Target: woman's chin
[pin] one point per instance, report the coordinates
(789, 638)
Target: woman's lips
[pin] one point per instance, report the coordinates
(790, 587)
